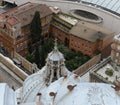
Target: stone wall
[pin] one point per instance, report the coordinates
(94, 76)
(84, 68)
(10, 79)
(12, 67)
(25, 63)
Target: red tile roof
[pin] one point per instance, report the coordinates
(25, 12)
(12, 21)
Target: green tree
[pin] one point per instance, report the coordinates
(3, 3)
(30, 58)
(36, 28)
(42, 56)
(14, 4)
(37, 56)
(44, 50)
(30, 49)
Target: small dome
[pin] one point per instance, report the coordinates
(55, 55)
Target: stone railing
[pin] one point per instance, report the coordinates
(16, 70)
(25, 63)
(94, 77)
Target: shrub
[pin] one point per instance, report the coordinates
(30, 58)
(109, 72)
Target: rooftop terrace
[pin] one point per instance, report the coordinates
(107, 71)
(103, 72)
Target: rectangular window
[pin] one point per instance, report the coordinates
(117, 54)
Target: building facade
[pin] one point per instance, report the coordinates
(61, 26)
(115, 53)
(15, 26)
(88, 38)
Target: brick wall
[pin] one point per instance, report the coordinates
(86, 47)
(60, 34)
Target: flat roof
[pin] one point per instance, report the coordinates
(26, 12)
(68, 19)
(90, 32)
(105, 66)
(108, 66)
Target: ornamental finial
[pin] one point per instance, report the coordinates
(55, 45)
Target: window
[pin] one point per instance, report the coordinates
(116, 60)
(117, 54)
(118, 47)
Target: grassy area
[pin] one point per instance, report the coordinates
(73, 59)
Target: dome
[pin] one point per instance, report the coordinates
(52, 71)
(63, 91)
(7, 95)
(55, 55)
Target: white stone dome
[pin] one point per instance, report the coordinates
(52, 71)
(55, 55)
(72, 91)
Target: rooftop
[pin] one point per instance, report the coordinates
(55, 9)
(89, 31)
(109, 67)
(12, 20)
(26, 12)
(110, 5)
(68, 19)
(107, 70)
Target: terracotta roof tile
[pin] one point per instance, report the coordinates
(26, 12)
(12, 21)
